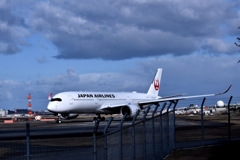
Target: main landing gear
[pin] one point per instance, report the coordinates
(99, 117)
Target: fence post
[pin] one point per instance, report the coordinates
(95, 139)
(144, 133)
(28, 140)
(153, 131)
(161, 129)
(120, 129)
(168, 128)
(202, 122)
(229, 127)
(105, 137)
(133, 133)
(174, 124)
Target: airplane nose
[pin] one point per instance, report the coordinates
(52, 107)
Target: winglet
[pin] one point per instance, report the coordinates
(224, 91)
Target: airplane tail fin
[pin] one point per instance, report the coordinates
(155, 86)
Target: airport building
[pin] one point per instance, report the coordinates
(3, 112)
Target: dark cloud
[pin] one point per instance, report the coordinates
(13, 30)
(116, 30)
(126, 29)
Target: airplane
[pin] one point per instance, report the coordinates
(68, 105)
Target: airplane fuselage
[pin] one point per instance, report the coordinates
(94, 102)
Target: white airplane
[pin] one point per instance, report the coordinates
(68, 105)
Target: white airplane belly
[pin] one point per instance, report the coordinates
(84, 107)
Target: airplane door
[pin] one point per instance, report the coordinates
(70, 99)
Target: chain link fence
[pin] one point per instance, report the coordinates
(217, 126)
(152, 137)
(151, 134)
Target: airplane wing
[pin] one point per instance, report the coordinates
(164, 99)
(110, 105)
(107, 106)
(161, 99)
(177, 95)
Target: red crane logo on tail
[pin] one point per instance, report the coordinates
(156, 84)
(50, 96)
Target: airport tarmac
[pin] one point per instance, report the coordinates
(186, 126)
(82, 126)
(216, 152)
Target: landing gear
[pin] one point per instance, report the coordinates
(59, 119)
(102, 118)
(99, 117)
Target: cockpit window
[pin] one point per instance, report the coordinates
(56, 99)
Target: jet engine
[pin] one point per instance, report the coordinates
(69, 115)
(131, 110)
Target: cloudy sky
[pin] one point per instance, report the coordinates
(61, 45)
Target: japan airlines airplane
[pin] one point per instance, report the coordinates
(68, 105)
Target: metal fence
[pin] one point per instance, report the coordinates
(208, 129)
(62, 148)
(151, 135)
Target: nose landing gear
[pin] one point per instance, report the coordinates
(59, 119)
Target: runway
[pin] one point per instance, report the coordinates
(83, 127)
